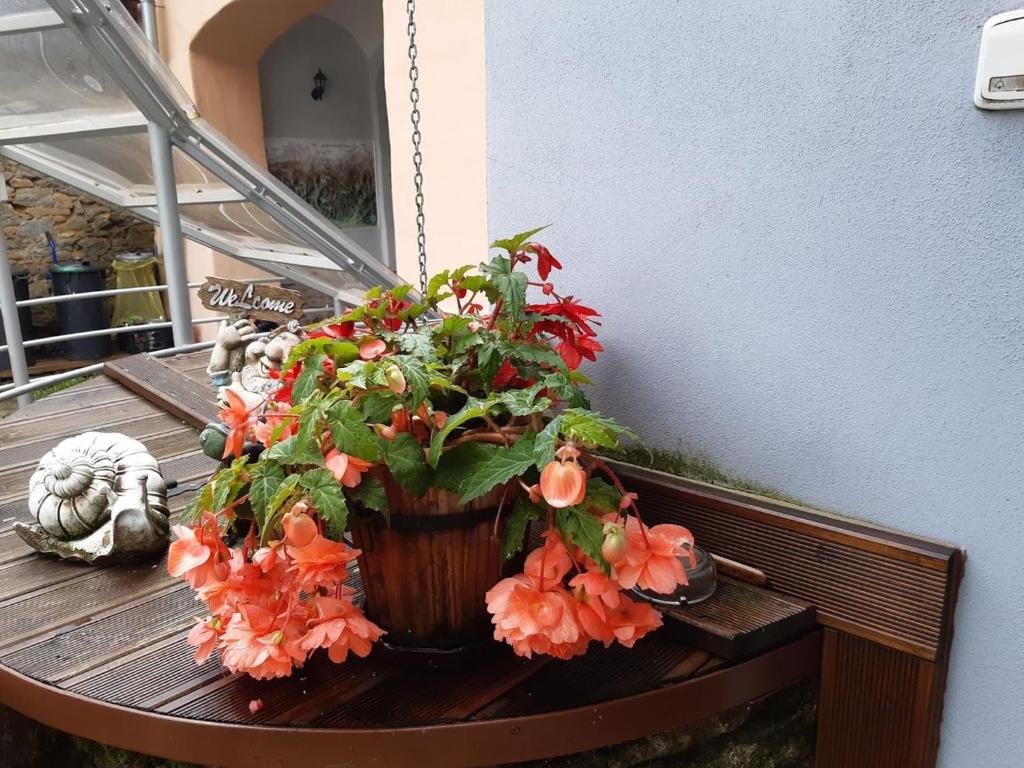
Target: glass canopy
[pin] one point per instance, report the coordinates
(81, 83)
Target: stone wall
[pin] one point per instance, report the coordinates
(83, 227)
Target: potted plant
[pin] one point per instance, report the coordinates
(435, 432)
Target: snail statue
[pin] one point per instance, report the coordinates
(98, 497)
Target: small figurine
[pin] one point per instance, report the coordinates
(228, 355)
(261, 357)
(98, 497)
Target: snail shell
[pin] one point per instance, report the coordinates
(77, 483)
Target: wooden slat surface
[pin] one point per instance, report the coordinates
(875, 706)
(164, 386)
(881, 585)
(740, 620)
(117, 633)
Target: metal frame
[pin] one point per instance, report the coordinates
(110, 35)
(164, 110)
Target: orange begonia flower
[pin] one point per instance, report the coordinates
(563, 483)
(340, 627)
(321, 563)
(372, 348)
(652, 560)
(263, 643)
(198, 555)
(347, 470)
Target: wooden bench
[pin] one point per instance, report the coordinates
(100, 653)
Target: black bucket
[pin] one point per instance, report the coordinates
(20, 278)
(71, 277)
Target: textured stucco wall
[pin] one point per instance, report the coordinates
(808, 245)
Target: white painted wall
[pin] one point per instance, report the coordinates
(808, 245)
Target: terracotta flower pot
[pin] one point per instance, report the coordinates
(426, 574)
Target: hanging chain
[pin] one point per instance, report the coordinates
(417, 156)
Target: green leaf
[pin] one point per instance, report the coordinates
(547, 443)
(437, 282)
(227, 483)
(516, 523)
(201, 502)
(404, 458)
(487, 361)
(515, 243)
(592, 429)
(417, 377)
(585, 531)
(297, 449)
(400, 291)
(376, 407)
(354, 374)
(371, 494)
(602, 497)
(558, 385)
(512, 287)
(541, 354)
(420, 344)
(325, 495)
(337, 349)
(307, 382)
(457, 465)
(502, 466)
(265, 478)
(284, 497)
(373, 293)
(350, 433)
(523, 402)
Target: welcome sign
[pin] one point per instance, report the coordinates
(260, 302)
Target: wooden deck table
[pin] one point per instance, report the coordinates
(100, 652)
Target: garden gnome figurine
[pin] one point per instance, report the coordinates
(228, 355)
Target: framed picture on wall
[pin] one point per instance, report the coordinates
(335, 177)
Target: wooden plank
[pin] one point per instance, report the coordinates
(165, 387)
(876, 706)
(741, 620)
(54, 427)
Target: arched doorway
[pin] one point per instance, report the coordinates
(215, 47)
(332, 147)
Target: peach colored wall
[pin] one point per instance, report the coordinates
(214, 46)
(450, 38)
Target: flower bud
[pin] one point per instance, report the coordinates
(395, 379)
(299, 528)
(614, 546)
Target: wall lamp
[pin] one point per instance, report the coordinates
(319, 85)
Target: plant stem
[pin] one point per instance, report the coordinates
(625, 494)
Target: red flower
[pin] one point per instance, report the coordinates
(342, 330)
(545, 261)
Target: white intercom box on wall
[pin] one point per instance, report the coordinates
(1000, 80)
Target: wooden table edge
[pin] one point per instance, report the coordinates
(469, 743)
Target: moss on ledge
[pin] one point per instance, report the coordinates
(698, 468)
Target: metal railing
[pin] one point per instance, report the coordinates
(22, 391)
